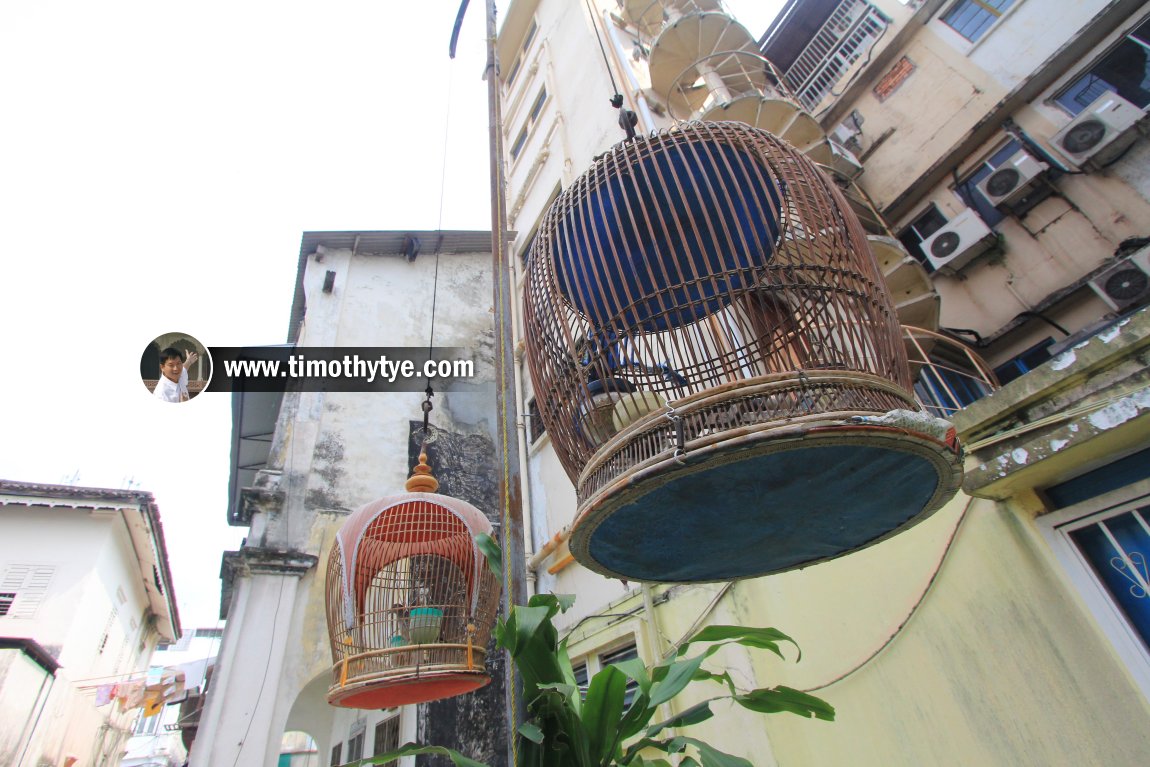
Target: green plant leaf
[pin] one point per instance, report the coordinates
(458, 759)
(603, 710)
(700, 712)
(531, 731)
(671, 746)
(562, 688)
(492, 553)
(530, 637)
(713, 757)
(762, 638)
(641, 762)
(678, 675)
(638, 715)
(702, 675)
(779, 699)
(635, 669)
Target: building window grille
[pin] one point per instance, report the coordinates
(1108, 556)
(972, 18)
(355, 748)
(147, 725)
(532, 118)
(517, 65)
(1100, 533)
(535, 426)
(336, 755)
(520, 140)
(387, 739)
(852, 28)
(537, 106)
(1117, 547)
(6, 600)
(581, 678)
(1124, 70)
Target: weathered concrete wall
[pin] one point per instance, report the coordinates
(332, 453)
(475, 724)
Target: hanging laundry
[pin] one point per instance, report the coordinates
(104, 694)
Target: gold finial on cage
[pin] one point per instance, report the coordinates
(421, 479)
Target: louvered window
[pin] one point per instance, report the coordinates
(28, 585)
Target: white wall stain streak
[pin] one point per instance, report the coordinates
(1121, 411)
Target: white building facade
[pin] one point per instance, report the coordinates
(85, 597)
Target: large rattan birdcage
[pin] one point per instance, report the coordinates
(719, 366)
(410, 601)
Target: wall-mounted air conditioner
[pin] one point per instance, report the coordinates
(964, 237)
(1100, 133)
(1127, 283)
(843, 160)
(1012, 180)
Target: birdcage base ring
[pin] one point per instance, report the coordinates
(386, 690)
(764, 502)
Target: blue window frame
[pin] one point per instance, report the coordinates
(1124, 70)
(944, 391)
(972, 18)
(1118, 548)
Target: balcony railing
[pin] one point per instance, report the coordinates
(947, 374)
(852, 28)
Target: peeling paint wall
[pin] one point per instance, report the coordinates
(332, 453)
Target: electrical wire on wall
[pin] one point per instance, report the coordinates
(914, 608)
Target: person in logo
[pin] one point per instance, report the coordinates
(173, 383)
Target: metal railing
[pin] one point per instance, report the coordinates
(842, 40)
(947, 374)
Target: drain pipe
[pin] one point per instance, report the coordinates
(549, 548)
(635, 93)
(521, 437)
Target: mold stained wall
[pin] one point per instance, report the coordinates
(337, 451)
(1058, 242)
(991, 663)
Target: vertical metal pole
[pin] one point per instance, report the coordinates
(510, 498)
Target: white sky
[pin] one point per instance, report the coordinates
(159, 162)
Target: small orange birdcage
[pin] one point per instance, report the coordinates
(410, 601)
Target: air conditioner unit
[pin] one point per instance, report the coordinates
(1127, 283)
(844, 161)
(1100, 133)
(964, 237)
(1012, 180)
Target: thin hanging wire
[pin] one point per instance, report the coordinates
(627, 119)
(428, 391)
